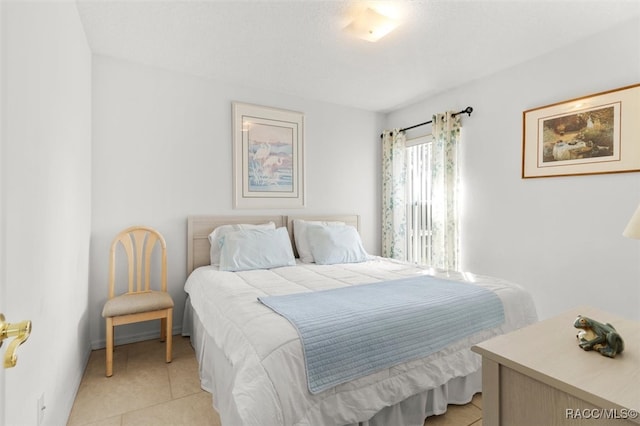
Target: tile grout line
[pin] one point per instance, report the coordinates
(169, 379)
(171, 394)
(154, 405)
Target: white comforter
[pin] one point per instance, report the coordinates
(269, 375)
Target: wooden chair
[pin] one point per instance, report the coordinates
(140, 303)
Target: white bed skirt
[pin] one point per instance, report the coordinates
(410, 412)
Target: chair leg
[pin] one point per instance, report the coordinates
(163, 329)
(109, 366)
(168, 333)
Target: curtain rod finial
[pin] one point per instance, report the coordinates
(468, 110)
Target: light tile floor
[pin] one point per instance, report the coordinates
(144, 390)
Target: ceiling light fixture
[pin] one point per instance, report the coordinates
(371, 25)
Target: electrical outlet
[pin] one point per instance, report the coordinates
(41, 408)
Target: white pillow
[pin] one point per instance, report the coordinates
(221, 231)
(300, 237)
(256, 249)
(335, 244)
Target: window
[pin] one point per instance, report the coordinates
(418, 199)
(420, 195)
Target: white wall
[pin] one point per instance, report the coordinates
(162, 150)
(559, 237)
(46, 172)
(3, 224)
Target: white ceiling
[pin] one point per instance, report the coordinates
(299, 47)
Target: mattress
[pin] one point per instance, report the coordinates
(265, 382)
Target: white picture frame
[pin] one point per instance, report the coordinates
(268, 157)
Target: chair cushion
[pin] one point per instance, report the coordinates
(136, 303)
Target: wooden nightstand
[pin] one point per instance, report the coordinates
(539, 376)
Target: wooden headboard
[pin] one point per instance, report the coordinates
(199, 228)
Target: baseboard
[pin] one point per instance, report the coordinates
(75, 384)
(133, 338)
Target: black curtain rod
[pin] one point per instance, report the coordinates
(467, 110)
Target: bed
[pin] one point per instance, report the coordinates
(251, 359)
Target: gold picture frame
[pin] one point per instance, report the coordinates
(268, 157)
(593, 134)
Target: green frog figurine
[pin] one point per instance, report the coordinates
(594, 335)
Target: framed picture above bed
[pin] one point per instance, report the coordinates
(594, 134)
(268, 157)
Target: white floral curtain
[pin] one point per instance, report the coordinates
(394, 214)
(445, 191)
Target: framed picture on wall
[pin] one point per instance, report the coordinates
(268, 157)
(594, 134)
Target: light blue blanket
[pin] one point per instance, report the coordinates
(353, 331)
